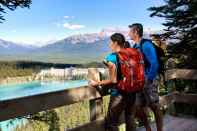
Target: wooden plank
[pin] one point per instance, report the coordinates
(24, 106)
(185, 98)
(170, 124)
(167, 100)
(186, 74)
(33, 104)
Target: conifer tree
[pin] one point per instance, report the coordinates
(181, 26)
(12, 5)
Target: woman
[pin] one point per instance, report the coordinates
(119, 101)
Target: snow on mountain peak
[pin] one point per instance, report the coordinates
(85, 38)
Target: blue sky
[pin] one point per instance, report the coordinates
(48, 20)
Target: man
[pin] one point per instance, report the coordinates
(150, 93)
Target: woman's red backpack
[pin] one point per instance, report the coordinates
(131, 66)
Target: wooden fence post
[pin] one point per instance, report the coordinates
(96, 105)
(96, 109)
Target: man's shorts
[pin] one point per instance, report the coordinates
(149, 95)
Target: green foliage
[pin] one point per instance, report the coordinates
(49, 117)
(9, 69)
(12, 5)
(58, 119)
(42, 121)
(186, 86)
(9, 72)
(26, 68)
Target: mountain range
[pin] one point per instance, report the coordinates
(77, 49)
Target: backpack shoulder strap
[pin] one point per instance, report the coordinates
(119, 74)
(142, 43)
(135, 46)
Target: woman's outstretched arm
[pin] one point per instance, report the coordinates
(112, 76)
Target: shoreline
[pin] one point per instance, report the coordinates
(16, 80)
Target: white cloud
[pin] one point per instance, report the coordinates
(73, 26)
(69, 17)
(110, 30)
(66, 17)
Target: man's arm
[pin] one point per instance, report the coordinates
(151, 56)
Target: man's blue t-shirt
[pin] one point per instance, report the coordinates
(150, 55)
(112, 58)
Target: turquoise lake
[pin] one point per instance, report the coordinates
(14, 91)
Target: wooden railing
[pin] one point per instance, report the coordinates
(32, 104)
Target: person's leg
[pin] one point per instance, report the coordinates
(115, 109)
(152, 98)
(141, 110)
(130, 111)
(141, 113)
(155, 107)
